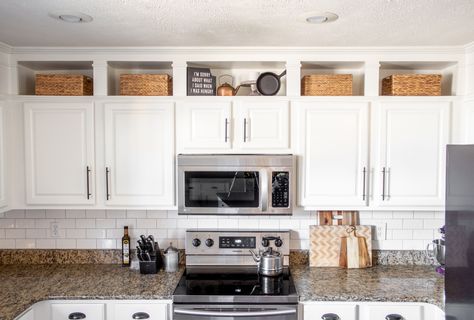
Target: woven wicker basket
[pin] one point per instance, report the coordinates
(63, 85)
(146, 85)
(326, 85)
(412, 85)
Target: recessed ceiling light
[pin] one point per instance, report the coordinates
(71, 17)
(321, 18)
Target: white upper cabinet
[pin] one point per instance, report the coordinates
(250, 126)
(334, 143)
(469, 122)
(203, 126)
(59, 153)
(139, 154)
(410, 139)
(261, 125)
(3, 198)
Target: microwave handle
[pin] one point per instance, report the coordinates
(264, 190)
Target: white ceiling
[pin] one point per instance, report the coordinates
(238, 23)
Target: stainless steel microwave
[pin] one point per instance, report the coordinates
(257, 184)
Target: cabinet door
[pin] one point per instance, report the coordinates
(28, 315)
(469, 122)
(203, 126)
(411, 141)
(88, 311)
(139, 154)
(3, 198)
(149, 311)
(262, 125)
(59, 153)
(334, 140)
(381, 311)
(317, 311)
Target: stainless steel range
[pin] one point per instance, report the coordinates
(222, 280)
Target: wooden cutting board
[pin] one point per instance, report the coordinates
(325, 244)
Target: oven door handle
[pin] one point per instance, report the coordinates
(264, 190)
(204, 313)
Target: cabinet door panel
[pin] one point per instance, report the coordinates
(335, 153)
(139, 153)
(59, 148)
(344, 311)
(413, 138)
(376, 312)
(62, 311)
(203, 126)
(469, 122)
(262, 125)
(154, 311)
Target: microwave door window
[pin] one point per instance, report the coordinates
(222, 189)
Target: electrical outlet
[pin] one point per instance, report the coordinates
(381, 231)
(54, 228)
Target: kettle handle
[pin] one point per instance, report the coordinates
(226, 75)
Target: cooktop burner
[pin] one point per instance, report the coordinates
(242, 287)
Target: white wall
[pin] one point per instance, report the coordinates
(103, 229)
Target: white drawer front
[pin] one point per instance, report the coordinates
(380, 312)
(134, 311)
(316, 312)
(77, 311)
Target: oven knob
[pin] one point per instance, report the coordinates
(209, 242)
(196, 242)
(278, 242)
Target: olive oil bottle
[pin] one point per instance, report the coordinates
(125, 248)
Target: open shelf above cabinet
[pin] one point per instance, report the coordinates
(447, 69)
(355, 68)
(116, 68)
(242, 71)
(27, 71)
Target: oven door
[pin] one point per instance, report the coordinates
(229, 312)
(222, 190)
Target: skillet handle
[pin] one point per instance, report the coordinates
(282, 74)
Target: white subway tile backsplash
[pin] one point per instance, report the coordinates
(56, 214)
(95, 214)
(45, 244)
(90, 229)
(25, 243)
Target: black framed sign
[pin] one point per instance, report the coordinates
(200, 82)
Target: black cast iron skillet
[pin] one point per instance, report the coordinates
(269, 83)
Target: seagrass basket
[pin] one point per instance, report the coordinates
(326, 85)
(146, 85)
(63, 85)
(412, 85)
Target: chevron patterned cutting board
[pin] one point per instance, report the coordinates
(325, 244)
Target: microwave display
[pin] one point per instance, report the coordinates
(221, 189)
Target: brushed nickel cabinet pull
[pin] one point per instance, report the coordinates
(76, 316)
(88, 172)
(226, 123)
(107, 190)
(364, 173)
(384, 172)
(245, 129)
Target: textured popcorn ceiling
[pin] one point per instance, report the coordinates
(238, 23)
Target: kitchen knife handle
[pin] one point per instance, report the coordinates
(226, 123)
(245, 129)
(394, 316)
(330, 316)
(364, 173)
(88, 172)
(140, 315)
(107, 190)
(384, 171)
(76, 316)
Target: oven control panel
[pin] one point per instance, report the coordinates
(280, 189)
(237, 242)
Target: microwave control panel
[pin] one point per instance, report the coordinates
(237, 242)
(280, 189)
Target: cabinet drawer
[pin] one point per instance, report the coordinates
(379, 312)
(77, 311)
(148, 311)
(344, 311)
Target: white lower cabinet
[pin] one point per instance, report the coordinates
(28, 315)
(77, 311)
(140, 310)
(3, 199)
(370, 311)
(330, 311)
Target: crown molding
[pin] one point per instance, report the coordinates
(241, 50)
(5, 48)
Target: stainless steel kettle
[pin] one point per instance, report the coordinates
(270, 263)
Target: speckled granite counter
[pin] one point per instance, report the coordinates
(380, 283)
(23, 285)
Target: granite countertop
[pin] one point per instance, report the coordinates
(24, 285)
(379, 283)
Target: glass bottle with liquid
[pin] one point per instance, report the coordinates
(125, 248)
